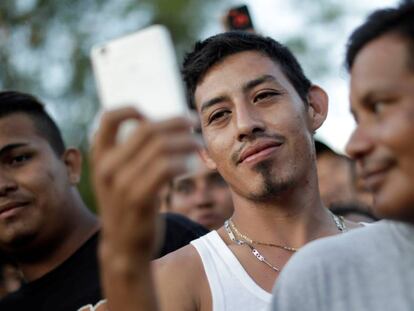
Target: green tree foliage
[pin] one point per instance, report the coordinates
(322, 20)
(45, 45)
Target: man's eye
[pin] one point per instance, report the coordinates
(219, 115)
(16, 160)
(377, 107)
(264, 95)
(184, 188)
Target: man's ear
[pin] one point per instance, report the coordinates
(318, 107)
(73, 161)
(209, 162)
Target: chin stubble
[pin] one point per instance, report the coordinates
(272, 187)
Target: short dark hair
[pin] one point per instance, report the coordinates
(214, 49)
(321, 147)
(16, 102)
(398, 20)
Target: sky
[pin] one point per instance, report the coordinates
(279, 19)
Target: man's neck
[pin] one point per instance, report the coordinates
(293, 219)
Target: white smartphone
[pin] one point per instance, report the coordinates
(141, 70)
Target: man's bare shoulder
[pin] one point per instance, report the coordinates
(175, 276)
(186, 255)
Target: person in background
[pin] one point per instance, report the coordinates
(202, 195)
(45, 228)
(370, 268)
(340, 187)
(334, 175)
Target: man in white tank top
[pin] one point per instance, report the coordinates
(258, 115)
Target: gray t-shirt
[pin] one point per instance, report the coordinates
(371, 268)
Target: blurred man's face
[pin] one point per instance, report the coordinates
(382, 100)
(203, 196)
(34, 182)
(335, 179)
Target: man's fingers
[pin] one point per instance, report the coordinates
(143, 185)
(158, 153)
(137, 190)
(106, 135)
(141, 141)
(147, 131)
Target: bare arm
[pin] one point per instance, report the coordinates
(127, 178)
(181, 282)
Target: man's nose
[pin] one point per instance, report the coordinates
(248, 121)
(7, 184)
(203, 196)
(360, 143)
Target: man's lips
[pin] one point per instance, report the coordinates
(373, 177)
(257, 150)
(9, 207)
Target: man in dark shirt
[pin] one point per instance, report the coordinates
(45, 227)
(44, 224)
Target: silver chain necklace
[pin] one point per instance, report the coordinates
(254, 251)
(339, 222)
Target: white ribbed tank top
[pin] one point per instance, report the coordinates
(231, 287)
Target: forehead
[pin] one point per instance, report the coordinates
(382, 65)
(234, 71)
(18, 127)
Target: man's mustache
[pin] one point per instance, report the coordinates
(235, 157)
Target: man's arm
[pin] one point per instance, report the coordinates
(181, 282)
(127, 178)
